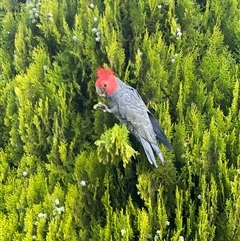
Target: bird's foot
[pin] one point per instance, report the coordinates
(102, 106)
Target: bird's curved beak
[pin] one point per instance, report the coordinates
(100, 91)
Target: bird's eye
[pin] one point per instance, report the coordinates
(105, 85)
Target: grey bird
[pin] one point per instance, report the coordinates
(127, 105)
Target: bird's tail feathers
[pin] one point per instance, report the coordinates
(149, 152)
(158, 151)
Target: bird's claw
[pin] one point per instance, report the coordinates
(101, 106)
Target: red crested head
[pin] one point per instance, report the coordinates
(106, 83)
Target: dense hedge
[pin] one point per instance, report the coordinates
(69, 172)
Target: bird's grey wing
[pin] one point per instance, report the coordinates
(134, 113)
(159, 131)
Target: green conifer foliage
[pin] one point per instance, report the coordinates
(69, 172)
(115, 143)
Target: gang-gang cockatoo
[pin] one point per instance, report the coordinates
(127, 105)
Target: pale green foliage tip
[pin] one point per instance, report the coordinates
(114, 146)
